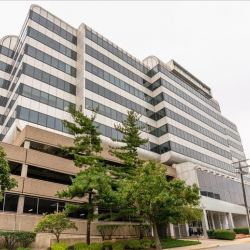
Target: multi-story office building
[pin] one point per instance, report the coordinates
(52, 64)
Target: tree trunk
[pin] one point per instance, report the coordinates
(141, 230)
(157, 240)
(90, 216)
(57, 237)
(88, 232)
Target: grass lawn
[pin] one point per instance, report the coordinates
(170, 243)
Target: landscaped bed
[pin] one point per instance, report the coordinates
(170, 243)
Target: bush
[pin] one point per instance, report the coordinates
(133, 244)
(25, 238)
(210, 234)
(14, 237)
(81, 245)
(23, 248)
(145, 243)
(119, 245)
(107, 245)
(107, 230)
(224, 234)
(95, 246)
(59, 246)
(241, 230)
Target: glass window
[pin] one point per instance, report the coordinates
(38, 74)
(44, 98)
(42, 119)
(24, 114)
(66, 105)
(58, 124)
(11, 201)
(62, 66)
(60, 84)
(67, 87)
(27, 91)
(36, 94)
(31, 51)
(53, 81)
(39, 55)
(52, 100)
(33, 116)
(50, 122)
(54, 62)
(47, 59)
(46, 77)
(68, 69)
(59, 103)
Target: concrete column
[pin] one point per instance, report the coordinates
(187, 229)
(20, 204)
(26, 144)
(24, 171)
(230, 221)
(171, 229)
(204, 223)
(212, 217)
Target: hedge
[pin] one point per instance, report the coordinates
(13, 237)
(81, 246)
(241, 230)
(210, 234)
(224, 234)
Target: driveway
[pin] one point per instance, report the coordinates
(234, 247)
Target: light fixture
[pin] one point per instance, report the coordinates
(30, 210)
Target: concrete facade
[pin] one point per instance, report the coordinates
(52, 64)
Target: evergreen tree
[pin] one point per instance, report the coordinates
(128, 154)
(93, 183)
(6, 182)
(131, 140)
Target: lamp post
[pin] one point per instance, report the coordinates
(241, 172)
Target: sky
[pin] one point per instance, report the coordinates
(211, 39)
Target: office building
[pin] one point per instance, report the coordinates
(52, 64)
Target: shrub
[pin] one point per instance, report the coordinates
(133, 244)
(210, 234)
(107, 245)
(224, 234)
(23, 248)
(119, 245)
(145, 243)
(13, 237)
(81, 245)
(107, 230)
(59, 246)
(95, 246)
(241, 230)
(25, 238)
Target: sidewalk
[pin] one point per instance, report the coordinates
(211, 243)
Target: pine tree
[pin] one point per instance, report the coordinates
(128, 154)
(6, 182)
(93, 183)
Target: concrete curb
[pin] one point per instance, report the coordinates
(207, 247)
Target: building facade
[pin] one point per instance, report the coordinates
(51, 65)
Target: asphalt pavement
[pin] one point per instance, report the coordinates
(243, 246)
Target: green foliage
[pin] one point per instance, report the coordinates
(133, 244)
(145, 243)
(241, 230)
(13, 237)
(107, 230)
(171, 243)
(81, 246)
(6, 182)
(95, 246)
(25, 238)
(107, 245)
(55, 223)
(147, 228)
(210, 234)
(132, 139)
(224, 234)
(59, 246)
(119, 245)
(23, 248)
(92, 183)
